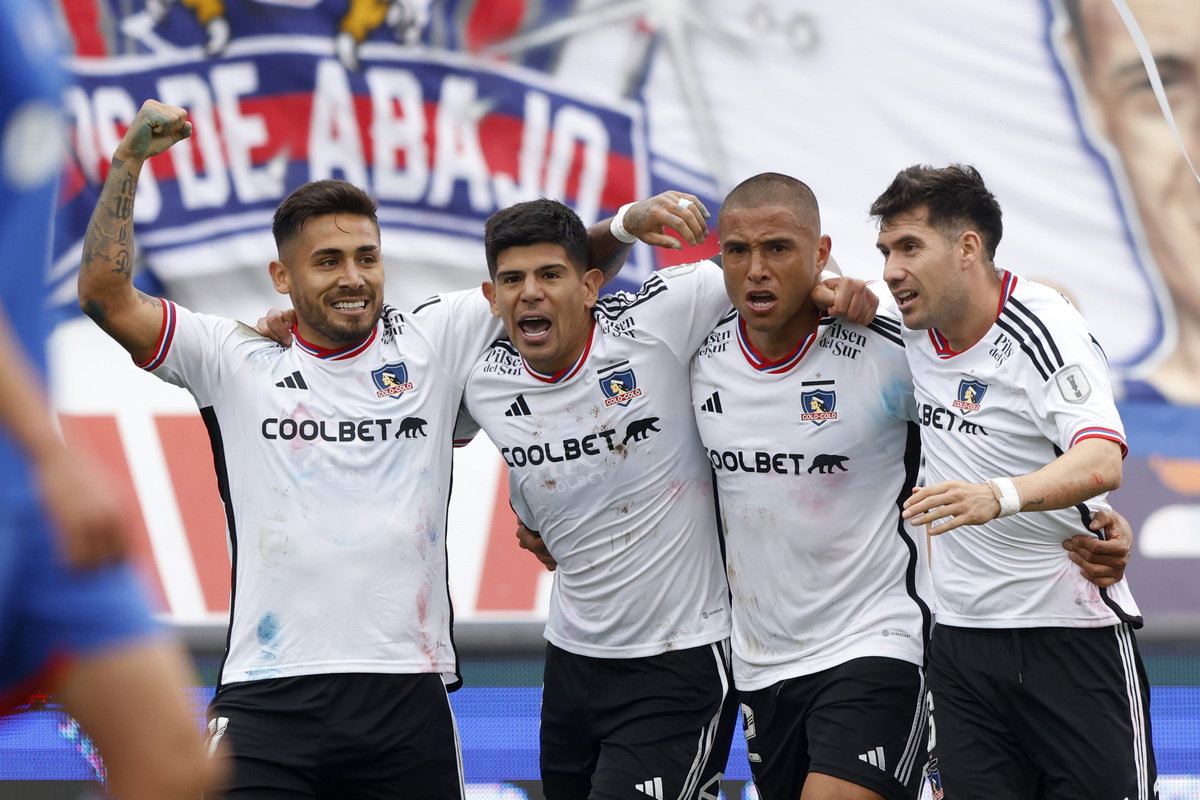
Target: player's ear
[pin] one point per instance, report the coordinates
(593, 279)
(280, 277)
(824, 246)
(489, 291)
(970, 247)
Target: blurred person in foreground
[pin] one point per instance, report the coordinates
(74, 620)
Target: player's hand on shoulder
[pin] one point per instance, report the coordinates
(1102, 561)
(953, 503)
(681, 212)
(156, 127)
(848, 298)
(88, 520)
(532, 541)
(277, 325)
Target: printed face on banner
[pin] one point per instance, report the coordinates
(1125, 111)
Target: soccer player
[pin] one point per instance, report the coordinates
(1036, 679)
(588, 402)
(807, 423)
(74, 621)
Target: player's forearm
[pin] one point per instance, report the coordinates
(606, 252)
(106, 291)
(1091, 467)
(106, 270)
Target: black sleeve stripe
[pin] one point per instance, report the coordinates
(730, 315)
(427, 303)
(504, 344)
(1033, 340)
(1025, 347)
(1037, 321)
(890, 335)
(614, 306)
(1098, 347)
(887, 322)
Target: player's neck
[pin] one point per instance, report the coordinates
(976, 314)
(779, 343)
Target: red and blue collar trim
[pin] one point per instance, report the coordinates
(941, 345)
(338, 354)
(764, 364)
(564, 375)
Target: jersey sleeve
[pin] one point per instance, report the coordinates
(200, 352)
(1072, 398)
(459, 326)
(465, 427)
(684, 303)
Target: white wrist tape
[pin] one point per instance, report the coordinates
(1008, 496)
(617, 226)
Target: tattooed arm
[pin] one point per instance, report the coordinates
(106, 292)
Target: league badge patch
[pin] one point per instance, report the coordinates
(391, 380)
(619, 387)
(817, 406)
(970, 395)
(1073, 384)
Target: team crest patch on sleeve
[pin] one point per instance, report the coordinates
(391, 380)
(817, 406)
(619, 387)
(970, 395)
(1073, 384)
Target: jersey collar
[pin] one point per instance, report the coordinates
(762, 363)
(564, 375)
(337, 354)
(941, 345)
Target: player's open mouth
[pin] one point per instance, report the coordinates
(350, 305)
(761, 300)
(904, 298)
(534, 327)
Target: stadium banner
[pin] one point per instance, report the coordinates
(447, 110)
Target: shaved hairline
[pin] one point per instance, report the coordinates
(775, 189)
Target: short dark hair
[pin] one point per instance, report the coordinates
(955, 196)
(316, 199)
(773, 188)
(536, 222)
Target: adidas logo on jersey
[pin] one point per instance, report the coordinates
(651, 788)
(874, 758)
(293, 381)
(519, 408)
(713, 404)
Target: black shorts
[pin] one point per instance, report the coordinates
(862, 721)
(1045, 712)
(338, 736)
(637, 728)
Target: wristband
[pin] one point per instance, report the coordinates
(617, 226)
(1006, 493)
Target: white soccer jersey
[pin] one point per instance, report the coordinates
(813, 455)
(1032, 387)
(334, 467)
(604, 460)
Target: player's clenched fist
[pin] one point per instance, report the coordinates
(156, 127)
